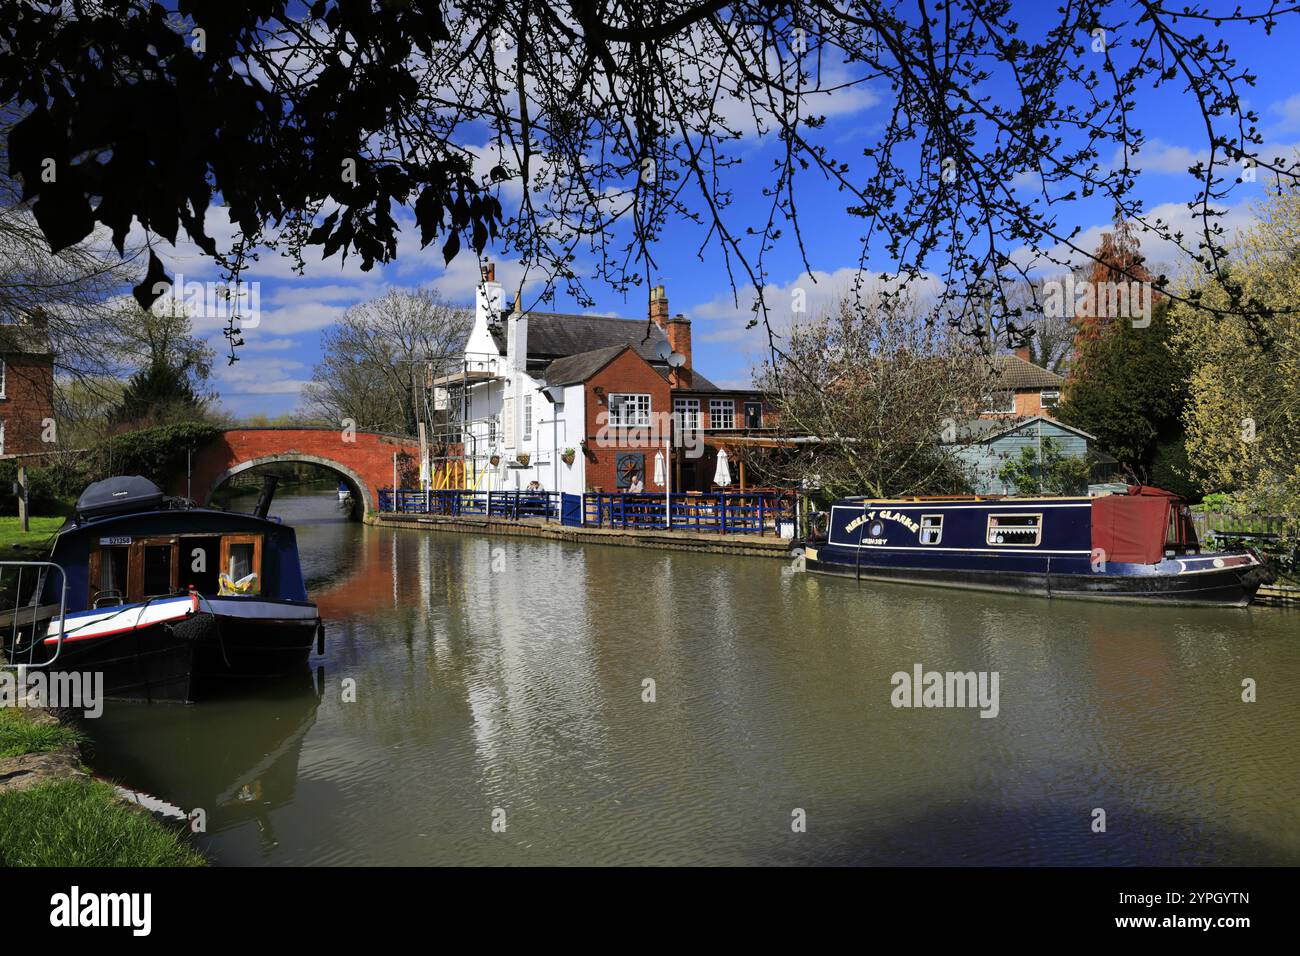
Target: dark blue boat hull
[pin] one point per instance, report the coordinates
(1170, 582)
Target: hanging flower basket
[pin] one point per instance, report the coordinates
(523, 458)
(495, 460)
(568, 456)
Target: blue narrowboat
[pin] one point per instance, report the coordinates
(163, 598)
(1135, 546)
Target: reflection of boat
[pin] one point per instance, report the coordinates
(345, 493)
(236, 757)
(1125, 547)
(158, 599)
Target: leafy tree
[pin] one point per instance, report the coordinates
(879, 389)
(310, 121)
(379, 358)
(1243, 412)
(168, 387)
(1044, 470)
(1129, 391)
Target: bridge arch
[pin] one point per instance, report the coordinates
(366, 494)
(364, 459)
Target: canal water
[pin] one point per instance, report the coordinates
(501, 715)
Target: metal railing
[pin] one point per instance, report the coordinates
(21, 630)
(761, 512)
(462, 501)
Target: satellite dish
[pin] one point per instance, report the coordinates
(663, 349)
(676, 359)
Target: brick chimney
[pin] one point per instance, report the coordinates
(679, 338)
(659, 306)
(1023, 353)
(678, 332)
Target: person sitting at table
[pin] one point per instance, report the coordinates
(635, 488)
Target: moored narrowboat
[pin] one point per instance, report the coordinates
(1136, 546)
(164, 599)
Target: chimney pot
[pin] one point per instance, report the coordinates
(489, 271)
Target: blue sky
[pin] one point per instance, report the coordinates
(278, 354)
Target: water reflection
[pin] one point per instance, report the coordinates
(498, 673)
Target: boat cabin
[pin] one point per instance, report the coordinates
(126, 569)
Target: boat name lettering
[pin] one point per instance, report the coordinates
(887, 515)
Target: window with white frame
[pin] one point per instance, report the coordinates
(629, 409)
(722, 413)
(931, 529)
(528, 417)
(688, 412)
(999, 402)
(1050, 397)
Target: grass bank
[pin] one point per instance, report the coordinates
(16, 544)
(66, 818)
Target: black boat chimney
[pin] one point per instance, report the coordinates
(264, 499)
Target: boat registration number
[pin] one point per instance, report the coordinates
(112, 541)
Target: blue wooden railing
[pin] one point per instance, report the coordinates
(749, 512)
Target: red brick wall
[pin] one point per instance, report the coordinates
(29, 399)
(1029, 402)
(627, 373)
(370, 457)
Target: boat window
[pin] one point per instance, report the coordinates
(157, 571)
(109, 577)
(931, 529)
(1019, 530)
(201, 563)
(241, 564)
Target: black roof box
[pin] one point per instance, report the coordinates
(118, 496)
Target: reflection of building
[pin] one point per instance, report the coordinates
(26, 389)
(538, 386)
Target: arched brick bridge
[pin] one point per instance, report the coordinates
(362, 459)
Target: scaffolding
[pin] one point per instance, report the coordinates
(461, 433)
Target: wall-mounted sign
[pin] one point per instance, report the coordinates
(629, 467)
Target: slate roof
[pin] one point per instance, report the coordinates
(573, 369)
(1013, 372)
(553, 335)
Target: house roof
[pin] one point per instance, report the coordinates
(573, 369)
(1011, 371)
(555, 335)
(698, 382)
(979, 430)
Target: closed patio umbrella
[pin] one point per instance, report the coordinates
(723, 474)
(659, 468)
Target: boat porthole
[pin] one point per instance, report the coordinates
(1218, 562)
(999, 539)
(877, 529)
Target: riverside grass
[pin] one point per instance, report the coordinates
(78, 821)
(15, 544)
(83, 823)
